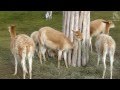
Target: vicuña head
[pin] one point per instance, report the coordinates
(77, 35)
(109, 24)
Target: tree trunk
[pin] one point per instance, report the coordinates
(77, 20)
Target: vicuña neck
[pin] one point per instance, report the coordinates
(12, 32)
(107, 29)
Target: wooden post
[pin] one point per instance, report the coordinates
(77, 20)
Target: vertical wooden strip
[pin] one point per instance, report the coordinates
(81, 20)
(76, 20)
(71, 35)
(75, 50)
(79, 44)
(68, 24)
(80, 49)
(76, 29)
(88, 34)
(72, 25)
(84, 40)
(63, 23)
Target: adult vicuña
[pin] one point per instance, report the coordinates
(50, 53)
(56, 40)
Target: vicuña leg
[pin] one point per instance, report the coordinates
(104, 63)
(65, 58)
(59, 57)
(16, 63)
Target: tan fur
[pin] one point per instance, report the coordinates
(12, 31)
(21, 44)
(99, 26)
(56, 40)
(34, 36)
(95, 25)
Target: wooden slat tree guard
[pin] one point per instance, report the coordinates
(77, 20)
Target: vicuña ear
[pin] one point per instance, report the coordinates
(13, 25)
(9, 28)
(105, 21)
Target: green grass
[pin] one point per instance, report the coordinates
(27, 22)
